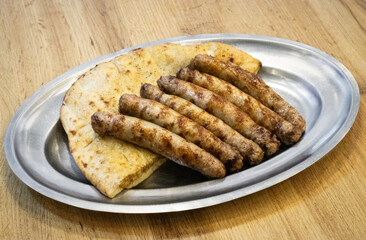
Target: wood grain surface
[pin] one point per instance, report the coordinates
(40, 40)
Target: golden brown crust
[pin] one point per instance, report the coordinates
(223, 109)
(262, 115)
(228, 53)
(166, 117)
(251, 152)
(108, 163)
(251, 84)
(158, 140)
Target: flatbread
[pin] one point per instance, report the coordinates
(110, 164)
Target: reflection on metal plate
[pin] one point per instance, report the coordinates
(316, 84)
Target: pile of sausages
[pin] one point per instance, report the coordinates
(213, 117)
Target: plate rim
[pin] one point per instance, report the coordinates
(192, 204)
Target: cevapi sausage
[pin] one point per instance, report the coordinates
(223, 109)
(158, 140)
(251, 152)
(166, 117)
(262, 115)
(251, 84)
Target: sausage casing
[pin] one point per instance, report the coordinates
(262, 115)
(158, 140)
(223, 109)
(251, 152)
(251, 84)
(166, 117)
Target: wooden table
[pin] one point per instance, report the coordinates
(40, 40)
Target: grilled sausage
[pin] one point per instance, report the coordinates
(262, 115)
(251, 84)
(166, 117)
(158, 140)
(251, 152)
(223, 109)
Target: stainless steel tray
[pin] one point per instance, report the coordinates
(316, 84)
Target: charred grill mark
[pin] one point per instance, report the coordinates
(135, 129)
(142, 132)
(188, 156)
(215, 153)
(199, 129)
(220, 135)
(229, 89)
(144, 110)
(150, 134)
(260, 130)
(173, 105)
(166, 142)
(181, 122)
(239, 116)
(200, 95)
(217, 99)
(189, 113)
(208, 81)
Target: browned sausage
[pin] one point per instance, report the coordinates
(262, 115)
(223, 109)
(251, 152)
(251, 84)
(158, 140)
(166, 117)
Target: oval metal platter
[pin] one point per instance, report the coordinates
(316, 84)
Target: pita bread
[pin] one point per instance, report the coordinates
(110, 164)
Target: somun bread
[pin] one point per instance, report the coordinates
(110, 164)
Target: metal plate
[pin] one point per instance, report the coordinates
(316, 84)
